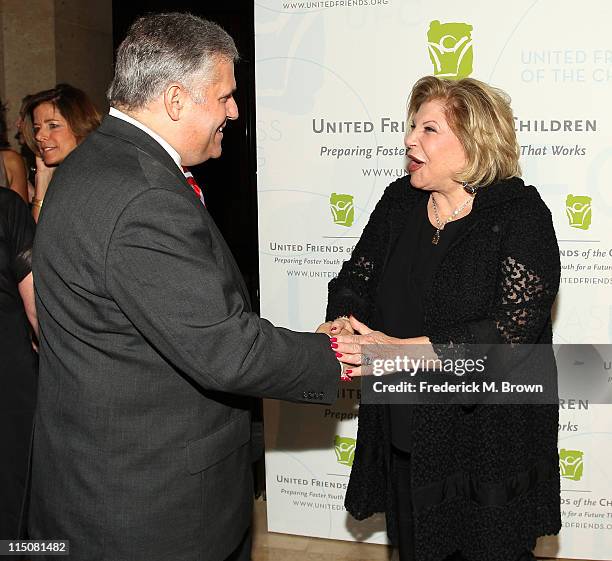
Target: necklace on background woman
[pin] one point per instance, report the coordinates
(453, 215)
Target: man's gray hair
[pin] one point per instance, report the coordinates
(161, 49)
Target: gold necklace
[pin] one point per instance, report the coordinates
(439, 224)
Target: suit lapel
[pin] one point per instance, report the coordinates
(119, 128)
(112, 126)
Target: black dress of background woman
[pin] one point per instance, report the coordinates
(18, 364)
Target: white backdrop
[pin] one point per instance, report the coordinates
(332, 79)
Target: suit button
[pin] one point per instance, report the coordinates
(495, 228)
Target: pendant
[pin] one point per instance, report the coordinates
(436, 237)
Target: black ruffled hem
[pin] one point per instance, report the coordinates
(468, 487)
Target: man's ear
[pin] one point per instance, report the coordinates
(175, 97)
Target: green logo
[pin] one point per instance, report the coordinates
(450, 49)
(345, 450)
(578, 209)
(342, 209)
(570, 464)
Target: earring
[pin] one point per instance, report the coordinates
(469, 188)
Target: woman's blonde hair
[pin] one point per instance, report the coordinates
(481, 118)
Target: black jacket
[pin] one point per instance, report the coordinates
(485, 480)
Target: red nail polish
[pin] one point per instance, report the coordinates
(338, 355)
(348, 371)
(332, 339)
(334, 345)
(345, 378)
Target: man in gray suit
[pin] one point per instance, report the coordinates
(149, 347)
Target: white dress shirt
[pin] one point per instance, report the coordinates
(173, 153)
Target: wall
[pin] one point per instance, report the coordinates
(44, 42)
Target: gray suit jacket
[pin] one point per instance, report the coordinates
(149, 351)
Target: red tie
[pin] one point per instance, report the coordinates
(191, 180)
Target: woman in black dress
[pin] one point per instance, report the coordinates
(459, 252)
(18, 369)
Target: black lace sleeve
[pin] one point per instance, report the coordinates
(352, 291)
(528, 282)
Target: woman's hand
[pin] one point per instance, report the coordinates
(349, 347)
(44, 173)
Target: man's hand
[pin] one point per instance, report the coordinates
(340, 326)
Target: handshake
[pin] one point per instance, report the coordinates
(340, 327)
(346, 337)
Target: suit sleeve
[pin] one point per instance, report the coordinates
(169, 279)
